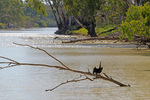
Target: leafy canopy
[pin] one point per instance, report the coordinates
(85, 8)
(137, 22)
(38, 5)
(114, 10)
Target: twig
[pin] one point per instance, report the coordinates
(8, 66)
(106, 75)
(89, 78)
(89, 71)
(8, 59)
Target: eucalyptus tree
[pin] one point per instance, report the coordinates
(81, 12)
(59, 13)
(84, 12)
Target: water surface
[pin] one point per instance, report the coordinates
(126, 65)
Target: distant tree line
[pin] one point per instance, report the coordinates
(16, 13)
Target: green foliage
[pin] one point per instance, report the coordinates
(137, 22)
(33, 17)
(2, 25)
(99, 30)
(42, 24)
(37, 5)
(36, 25)
(85, 8)
(82, 31)
(10, 11)
(113, 12)
(18, 14)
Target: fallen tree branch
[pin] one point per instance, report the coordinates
(91, 38)
(62, 68)
(13, 63)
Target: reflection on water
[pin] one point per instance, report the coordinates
(28, 83)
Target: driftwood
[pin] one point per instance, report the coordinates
(92, 38)
(13, 63)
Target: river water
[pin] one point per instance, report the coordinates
(121, 61)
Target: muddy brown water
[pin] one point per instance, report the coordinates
(126, 65)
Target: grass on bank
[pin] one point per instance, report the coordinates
(99, 30)
(81, 31)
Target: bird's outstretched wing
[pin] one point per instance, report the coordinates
(100, 65)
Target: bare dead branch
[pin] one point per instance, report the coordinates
(106, 75)
(91, 38)
(13, 63)
(73, 80)
(72, 70)
(8, 59)
(8, 66)
(89, 78)
(43, 51)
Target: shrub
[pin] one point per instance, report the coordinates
(137, 22)
(36, 25)
(82, 31)
(42, 24)
(2, 25)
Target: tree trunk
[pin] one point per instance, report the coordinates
(61, 23)
(132, 2)
(57, 22)
(140, 3)
(91, 28)
(65, 20)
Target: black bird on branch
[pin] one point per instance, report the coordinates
(97, 70)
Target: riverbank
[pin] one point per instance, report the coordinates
(45, 37)
(108, 38)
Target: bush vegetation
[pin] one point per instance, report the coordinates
(137, 22)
